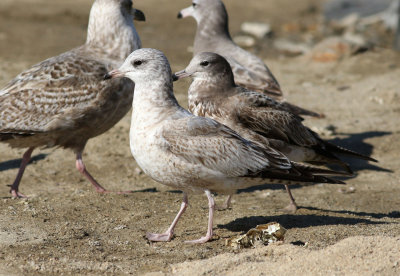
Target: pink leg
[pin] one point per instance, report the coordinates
(25, 160)
(292, 207)
(226, 205)
(167, 236)
(82, 169)
(211, 206)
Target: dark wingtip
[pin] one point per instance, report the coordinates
(139, 15)
(107, 76)
(373, 160)
(179, 15)
(174, 77)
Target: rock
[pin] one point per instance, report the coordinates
(333, 49)
(291, 48)
(347, 190)
(120, 227)
(391, 17)
(339, 9)
(244, 41)
(256, 29)
(396, 44)
(138, 171)
(348, 22)
(347, 13)
(355, 39)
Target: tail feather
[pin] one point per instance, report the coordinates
(9, 136)
(320, 171)
(339, 150)
(298, 174)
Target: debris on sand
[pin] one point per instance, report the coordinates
(263, 234)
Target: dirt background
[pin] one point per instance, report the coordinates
(66, 228)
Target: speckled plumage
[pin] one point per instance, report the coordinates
(259, 118)
(256, 117)
(191, 153)
(63, 101)
(212, 35)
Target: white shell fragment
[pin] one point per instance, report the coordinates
(261, 235)
(244, 41)
(257, 29)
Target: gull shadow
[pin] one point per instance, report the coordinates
(267, 187)
(174, 191)
(293, 221)
(355, 142)
(147, 190)
(393, 214)
(15, 163)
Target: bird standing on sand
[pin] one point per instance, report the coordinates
(212, 35)
(195, 154)
(63, 101)
(256, 117)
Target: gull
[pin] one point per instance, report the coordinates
(213, 35)
(62, 101)
(256, 117)
(191, 153)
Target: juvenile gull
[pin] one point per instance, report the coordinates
(63, 101)
(213, 35)
(191, 153)
(256, 117)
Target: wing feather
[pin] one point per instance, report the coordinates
(54, 94)
(254, 81)
(277, 124)
(217, 147)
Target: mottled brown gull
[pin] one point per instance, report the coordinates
(256, 117)
(191, 153)
(212, 35)
(63, 101)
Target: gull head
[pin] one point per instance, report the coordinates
(144, 65)
(207, 66)
(123, 7)
(111, 27)
(202, 8)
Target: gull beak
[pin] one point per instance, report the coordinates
(180, 75)
(186, 12)
(138, 15)
(114, 74)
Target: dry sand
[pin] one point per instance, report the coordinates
(66, 228)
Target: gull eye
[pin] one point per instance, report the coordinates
(137, 63)
(194, 5)
(204, 63)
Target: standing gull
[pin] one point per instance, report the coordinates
(212, 35)
(63, 101)
(256, 117)
(191, 153)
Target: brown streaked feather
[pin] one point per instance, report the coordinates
(60, 98)
(277, 124)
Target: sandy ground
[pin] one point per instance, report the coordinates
(66, 228)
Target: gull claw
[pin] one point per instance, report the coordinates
(164, 237)
(16, 194)
(291, 208)
(201, 240)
